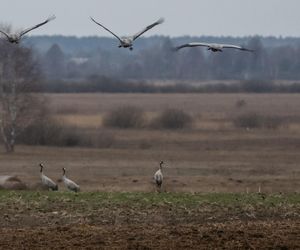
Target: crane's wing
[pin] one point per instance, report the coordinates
(2, 32)
(230, 46)
(71, 185)
(38, 25)
(192, 45)
(137, 35)
(106, 29)
(48, 182)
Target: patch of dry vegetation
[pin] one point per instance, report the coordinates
(172, 119)
(210, 156)
(125, 117)
(254, 120)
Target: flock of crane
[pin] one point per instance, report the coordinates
(51, 185)
(127, 41)
(72, 186)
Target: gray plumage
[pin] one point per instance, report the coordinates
(46, 181)
(127, 41)
(15, 38)
(214, 47)
(158, 176)
(71, 185)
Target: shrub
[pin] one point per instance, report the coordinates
(258, 86)
(125, 117)
(249, 120)
(43, 131)
(173, 119)
(273, 122)
(72, 137)
(240, 103)
(254, 120)
(49, 132)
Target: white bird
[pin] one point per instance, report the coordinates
(127, 41)
(214, 47)
(47, 182)
(71, 185)
(15, 38)
(158, 176)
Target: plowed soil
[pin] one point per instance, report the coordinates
(153, 221)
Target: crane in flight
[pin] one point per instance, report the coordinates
(214, 47)
(127, 41)
(16, 37)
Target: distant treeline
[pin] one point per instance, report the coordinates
(95, 64)
(74, 59)
(106, 85)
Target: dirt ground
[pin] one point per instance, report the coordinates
(76, 223)
(230, 235)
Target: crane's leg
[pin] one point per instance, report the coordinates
(159, 188)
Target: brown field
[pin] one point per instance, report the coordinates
(56, 220)
(211, 157)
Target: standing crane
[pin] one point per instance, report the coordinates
(71, 185)
(158, 176)
(47, 182)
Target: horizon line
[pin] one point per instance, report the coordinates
(171, 37)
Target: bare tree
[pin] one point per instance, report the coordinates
(18, 78)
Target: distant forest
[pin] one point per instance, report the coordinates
(88, 64)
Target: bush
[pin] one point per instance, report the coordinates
(43, 131)
(254, 120)
(240, 103)
(258, 86)
(172, 119)
(72, 137)
(51, 133)
(125, 117)
(273, 122)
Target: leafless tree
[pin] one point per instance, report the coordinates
(18, 79)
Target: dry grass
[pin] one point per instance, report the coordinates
(215, 110)
(198, 162)
(213, 104)
(212, 157)
(92, 121)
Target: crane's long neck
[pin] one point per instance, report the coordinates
(64, 173)
(160, 166)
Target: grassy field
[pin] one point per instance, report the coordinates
(35, 220)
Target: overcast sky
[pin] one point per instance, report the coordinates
(183, 17)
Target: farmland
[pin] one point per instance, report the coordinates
(148, 220)
(210, 192)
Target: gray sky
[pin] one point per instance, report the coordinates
(183, 17)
